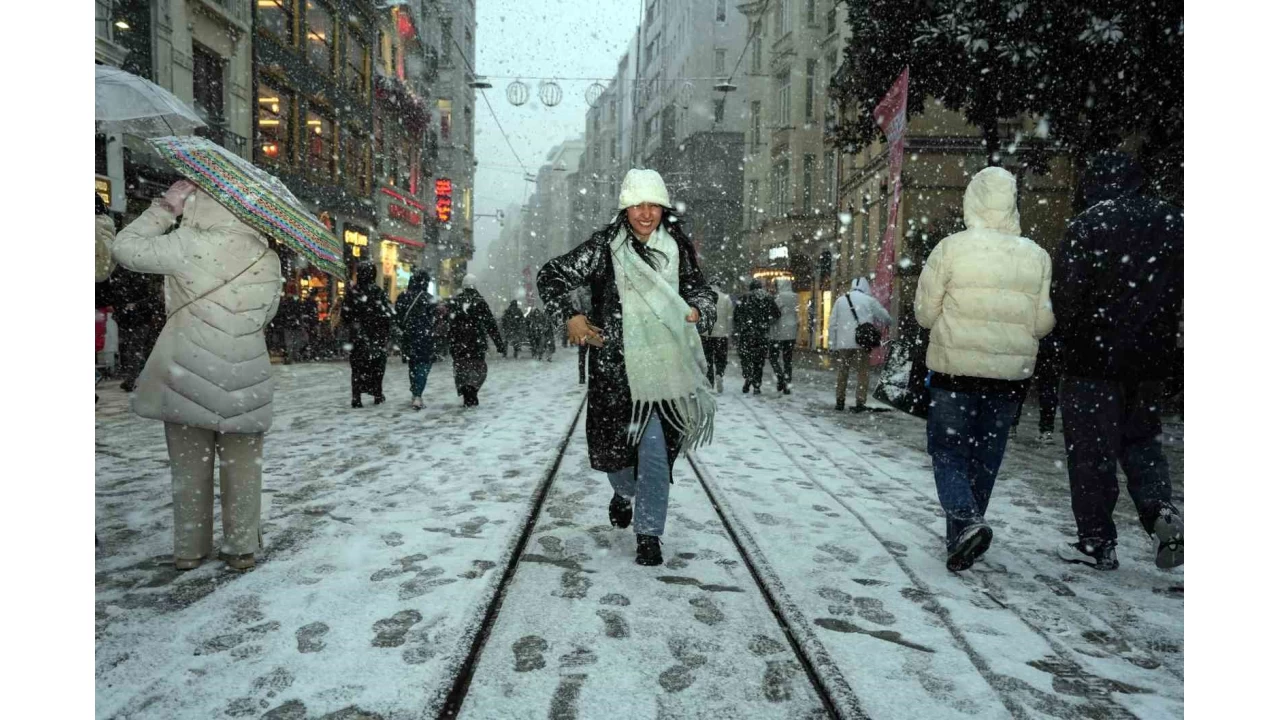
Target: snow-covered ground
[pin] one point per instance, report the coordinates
(387, 531)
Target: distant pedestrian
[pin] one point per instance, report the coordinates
(471, 325)
(367, 312)
(292, 324)
(751, 321)
(579, 304)
(1117, 291)
(1047, 378)
(311, 323)
(514, 328)
(416, 315)
(852, 347)
(538, 328)
(209, 377)
(715, 341)
(783, 333)
(648, 395)
(984, 292)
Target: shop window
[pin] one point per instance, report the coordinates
(320, 35)
(275, 113)
(320, 148)
(357, 65)
(276, 17)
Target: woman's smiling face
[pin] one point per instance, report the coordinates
(644, 219)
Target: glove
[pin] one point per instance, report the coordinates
(175, 198)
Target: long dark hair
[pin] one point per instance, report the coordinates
(670, 222)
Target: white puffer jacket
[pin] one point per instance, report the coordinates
(724, 314)
(786, 327)
(210, 368)
(843, 325)
(984, 292)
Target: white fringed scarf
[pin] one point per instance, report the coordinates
(666, 368)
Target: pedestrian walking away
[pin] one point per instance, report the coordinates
(579, 304)
(1047, 378)
(222, 284)
(783, 333)
(471, 325)
(984, 293)
(514, 328)
(648, 397)
(715, 343)
(367, 312)
(752, 320)
(854, 310)
(1117, 291)
(416, 315)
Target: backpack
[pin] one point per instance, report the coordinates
(866, 336)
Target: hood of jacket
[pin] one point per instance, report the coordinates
(202, 212)
(1110, 176)
(860, 285)
(419, 282)
(991, 202)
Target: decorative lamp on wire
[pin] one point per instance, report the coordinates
(517, 93)
(593, 94)
(549, 93)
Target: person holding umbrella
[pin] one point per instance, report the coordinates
(209, 376)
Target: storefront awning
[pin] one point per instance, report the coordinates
(402, 240)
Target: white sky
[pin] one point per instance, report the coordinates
(534, 39)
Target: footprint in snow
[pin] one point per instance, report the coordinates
(528, 651)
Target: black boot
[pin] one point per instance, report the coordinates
(379, 399)
(355, 400)
(746, 387)
(619, 512)
(648, 550)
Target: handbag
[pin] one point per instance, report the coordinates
(866, 336)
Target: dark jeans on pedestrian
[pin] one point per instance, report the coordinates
(1105, 422)
(967, 434)
(780, 352)
(717, 351)
(418, 372)
(1047, 379)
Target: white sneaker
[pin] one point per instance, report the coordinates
(1046, 437)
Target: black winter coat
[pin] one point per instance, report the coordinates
(752, 319)
(514, 326)
(608, 394)
(416, 313)
(1118, 279)
(470, 324)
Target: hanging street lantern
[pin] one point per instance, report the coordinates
(594, 91)
(549, 93)
(517, 93)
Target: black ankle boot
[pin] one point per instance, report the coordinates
(619, 512)
(355, 401)
(648, 550)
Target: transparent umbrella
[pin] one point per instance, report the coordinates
(128, 104)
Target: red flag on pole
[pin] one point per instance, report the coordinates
(891, 116)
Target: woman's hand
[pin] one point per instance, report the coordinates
(582, 332)
(693, 315)
(175, 198)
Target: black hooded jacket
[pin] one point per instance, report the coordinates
(367, 309)
(1118, 278)
(471, 324)
(416, 314)
(590, 265)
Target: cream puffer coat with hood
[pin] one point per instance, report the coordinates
(984, 291)
(209, 368)
(786, 327)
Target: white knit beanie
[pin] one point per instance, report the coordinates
(469, 281)
(643, 186)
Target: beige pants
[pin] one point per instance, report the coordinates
(191, 452)
(859, 360)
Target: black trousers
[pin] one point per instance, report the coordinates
(753, 364)
(1105, 422)
(1047, 379)
(717, 351)
(582, 362)
(780, 352)
(135, 343)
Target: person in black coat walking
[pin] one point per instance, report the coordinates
(751, 321)
(416, 315)
(368, 314)
(647, 401)
(514, 328)
(471, 325)
(1117, 294)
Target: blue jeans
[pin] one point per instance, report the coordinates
(967, 435)
(418, 372)
(649, 482)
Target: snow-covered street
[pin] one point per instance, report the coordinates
(803, 573)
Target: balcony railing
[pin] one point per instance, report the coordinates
(218, 133)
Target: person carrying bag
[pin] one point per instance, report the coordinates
(852, 340)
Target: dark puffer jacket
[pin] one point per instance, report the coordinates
(1118, 278)
(609, 394)
(416, 314)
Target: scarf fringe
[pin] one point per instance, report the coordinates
(693, 417)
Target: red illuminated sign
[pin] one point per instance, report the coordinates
(400, 212)
(444, 200)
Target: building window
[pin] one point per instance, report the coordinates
(785, 6)
(355, 161)
(719, 110)
(446, 40)
(810, 88)
(831, 20)
(379, 150)
(102, 19)
(781, 188)
(757, 48)
(806, 191)
(207, 83)
(320, 35)
(784, 99)
(275, 113)
(811, 12)
(276, 17)
(829, 170)
(722, 10)
(357, 64)
(467, 125)
(445, 110)
(720, 55)
(756, 138)
(753, 201)
(320, 148)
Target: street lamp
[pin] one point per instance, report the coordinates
(498, 215)
(481, 84)
(725, 86)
